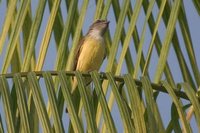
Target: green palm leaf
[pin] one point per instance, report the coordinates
(151, 39)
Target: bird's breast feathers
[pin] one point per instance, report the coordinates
(92, 54)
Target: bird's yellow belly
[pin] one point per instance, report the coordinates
(91, 56)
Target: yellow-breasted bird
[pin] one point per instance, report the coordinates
(89, 54)
(91, 51)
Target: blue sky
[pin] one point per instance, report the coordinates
(164, 101)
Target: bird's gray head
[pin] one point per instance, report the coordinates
(99, 27)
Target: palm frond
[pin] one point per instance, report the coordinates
(149, 38)
(133, 111)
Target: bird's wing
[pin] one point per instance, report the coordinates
(77, 52)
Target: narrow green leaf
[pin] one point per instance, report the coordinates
(117, 35)
(120, 16)
(129, 35)
(16, 61)
(7, 23)
(14, 35)
(137, 106)
(4, 88)
(34, 118)
(106, 9)
(22, 104)
(174, 122)
(154, 119)
(75, 19)
(125, 115)
(145, 70)
(39, 102)
(1, 125)
(63, 51)
(197, 5)
(47, 35)
(70, 106)
(77, 34)
(188, 43)
(177, 47)
(158, 43)
(99, 10)
(128, 57)
(63, 46)
(108, 45)
(141, 43)
(102, 99)
(53, 102)
(86, 104)
(178, 104)
(65, 36)
(58, 23)
(167, 41)
(26, 26)
(194, 100)
(33, 36)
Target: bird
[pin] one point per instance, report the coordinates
(89, 55)
(91, 50)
